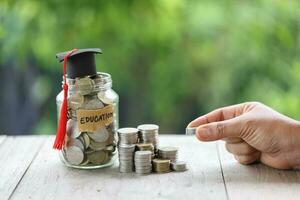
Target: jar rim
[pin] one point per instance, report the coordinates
(101, 81)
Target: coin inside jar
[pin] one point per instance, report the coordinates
(74, 155)
(85, 85)
(101, 135)
(75, 101)
(72, 129)
(97, 157)
(104, 98)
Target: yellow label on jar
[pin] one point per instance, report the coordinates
(91, 120)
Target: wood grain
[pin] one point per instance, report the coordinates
(258, 181)
(16, 155)
(47, 178)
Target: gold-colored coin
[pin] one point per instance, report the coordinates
(97, 157)
(161, 165)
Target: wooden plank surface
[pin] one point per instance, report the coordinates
(2, 138)
(47, 178)
(16, 155)
(258, 181)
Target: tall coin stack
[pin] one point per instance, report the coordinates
(142, 161)
(148, 133)
(128, 137)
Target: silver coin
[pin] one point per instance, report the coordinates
(72, 129)
(92, 102)
(85, 85)
(142, 153)
(75, 142)
(148, 127)
(74, 155)
(100, 135)
(75, 101)
(102, 96)
(178, 166)
(190, 130)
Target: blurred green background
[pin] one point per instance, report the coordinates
(171, 61)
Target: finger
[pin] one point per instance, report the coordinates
(233, 140)
(219, 130)
(248, 159)
(218, 115)
(241, 148)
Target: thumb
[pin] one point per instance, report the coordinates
(219, 130)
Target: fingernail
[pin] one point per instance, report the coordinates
(202, 131)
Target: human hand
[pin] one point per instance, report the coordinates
(253, 132)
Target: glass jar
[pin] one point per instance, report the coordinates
(93, 120)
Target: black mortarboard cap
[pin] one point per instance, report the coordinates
(81, 62)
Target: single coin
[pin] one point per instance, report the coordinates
(100, 135)
(97, 157)
(143, 153)
(190, 131)
(75, 101)
(72, 129)
(85, 161)
(104, 98)
(74, 155)
(92, 102)
(75, 142)
(97, 145)
(86, 139)
(148, 127)
(128, 130)
(168, 149)
(85, 85)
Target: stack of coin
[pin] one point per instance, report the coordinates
(146, 147)
(161, 165)
(127, 139)
(179, 166)
(128, 135)
(170, 153)
(142, 161)
(126, 153)
(148, 133)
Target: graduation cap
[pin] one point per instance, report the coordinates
(81, 62)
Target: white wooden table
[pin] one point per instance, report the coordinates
(30, 169)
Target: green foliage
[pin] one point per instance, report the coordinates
(171, 61)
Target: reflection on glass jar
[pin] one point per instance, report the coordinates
(92, 122)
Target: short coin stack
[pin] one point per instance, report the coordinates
(170, 153)
(128, 137)
(146, 147)
(142, 161)
(178, 166)
(161, 165)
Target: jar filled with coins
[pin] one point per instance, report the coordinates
(92, 113)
